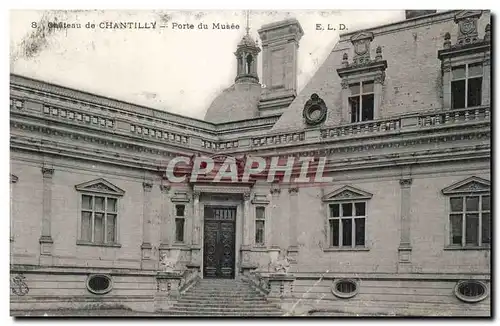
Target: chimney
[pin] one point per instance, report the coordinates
(417, 13)
(280, 44)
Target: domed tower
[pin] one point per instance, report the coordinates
(246, 56)
(241, 100)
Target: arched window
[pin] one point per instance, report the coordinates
(249, 64)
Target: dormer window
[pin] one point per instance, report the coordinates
(466, 63)
(466, 85)
(362, 81)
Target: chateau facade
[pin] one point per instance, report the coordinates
(401, 112)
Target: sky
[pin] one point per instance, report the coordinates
(176, 70)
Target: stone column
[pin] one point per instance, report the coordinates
(146, 247)
(165, 220)
(486, 95)
(293, 248)
(46, 241)
(404, 249)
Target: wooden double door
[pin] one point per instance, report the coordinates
(219, 242)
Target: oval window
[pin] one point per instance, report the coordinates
(345, 288)
(471, 291)
(99, 284)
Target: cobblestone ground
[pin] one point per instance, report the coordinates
(83, 313)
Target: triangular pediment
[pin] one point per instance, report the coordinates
(347, 193)
(362, 36)
(468, 13)
(100, 186)
(469, 185)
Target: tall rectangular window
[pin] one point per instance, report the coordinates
(361, 101)
(470, 221)
(98, 224)
(347, 224)
(466, 85)
(179, 222)
(260, 223)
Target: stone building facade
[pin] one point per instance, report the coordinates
(400, 111)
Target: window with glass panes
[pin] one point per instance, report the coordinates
(466, 85)
(470, 221)
(99, 215)
(347, 224)
(361, 101)
(260, 223)
(179, 222)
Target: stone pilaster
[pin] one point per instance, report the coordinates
(146, 247)
(293, 248)
(13, 180)
(165, 220)
(196, 234)
(247, 218)
(486, 95)
(404, 249)
(272, 219)
(46, 241)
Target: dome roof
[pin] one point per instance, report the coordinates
(247, 41)
(238, 102)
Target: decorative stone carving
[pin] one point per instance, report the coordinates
(100, 186)
(147, 186)
(487, 33)
(246, 196)
(361, 42)
(18, 285)
(345, 60)
(447, 40)
(378, 55)
(47, 172)
(344, 83)
(314, 110)
(282, 264)
(347, 192)
(405, 183)
(196, 195)
(165, 188)
(472, 184)
(380, 77)
(169, 264)
(293, 190)
(467, 26)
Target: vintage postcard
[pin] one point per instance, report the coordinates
(250, 163)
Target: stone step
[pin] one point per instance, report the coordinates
(220, 314)
(206, 306)
(237, 309)
(225, 311)
(195, 300)
(229, 297)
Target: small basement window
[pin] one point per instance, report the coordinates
(471, 291)
(345, 288)
(99, 284)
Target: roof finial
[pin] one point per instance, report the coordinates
(248, 22)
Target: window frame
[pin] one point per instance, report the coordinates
(263, 219)
(183, 218)
(353, 218)
(463, 213)
(360, 95)
(105, 213)
(466, 79)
